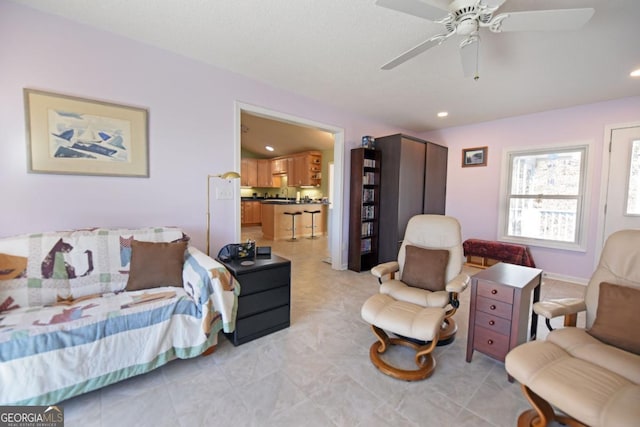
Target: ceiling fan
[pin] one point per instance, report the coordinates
(466, 17)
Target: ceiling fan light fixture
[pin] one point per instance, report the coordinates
(635, 73)
(269, 148)
(443, 114)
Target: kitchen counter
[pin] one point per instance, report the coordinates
(277, 226)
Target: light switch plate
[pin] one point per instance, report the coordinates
(224, 193)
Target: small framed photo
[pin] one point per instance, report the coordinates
(70, 135)
(476, 156)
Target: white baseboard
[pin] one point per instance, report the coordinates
(565, 278)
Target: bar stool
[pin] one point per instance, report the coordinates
(293, 225)
(313, 227)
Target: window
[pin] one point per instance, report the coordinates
(543, 197)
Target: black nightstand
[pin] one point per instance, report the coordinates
(265, 297)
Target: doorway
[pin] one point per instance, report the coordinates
(620, 194)
(335, 235)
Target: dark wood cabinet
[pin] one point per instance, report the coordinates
(412, 181)
(265, 297)
(364, 209)
(500, 315)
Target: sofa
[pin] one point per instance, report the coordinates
(591, 374)
(83, 309)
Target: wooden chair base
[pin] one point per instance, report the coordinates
(424, 360)
(210, 350)
(542, 413)
(447, 331)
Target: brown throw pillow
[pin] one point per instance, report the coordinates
(155, 264)
(425, 268)
(617, 317)
(11, 266)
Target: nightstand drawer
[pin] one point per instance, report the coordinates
(263, 280)
(491, 342)
(494, 307)
(493, 323)
(262, 301)
(262, 324)
(495, 291)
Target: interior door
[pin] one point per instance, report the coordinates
(622, 208)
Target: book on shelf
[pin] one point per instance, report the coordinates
(369, 163)
(365, 245)
(368, 195)
(368, 178)
(367, 229)
(368, 212)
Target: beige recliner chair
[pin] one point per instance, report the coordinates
(592, 374)
(425, 283)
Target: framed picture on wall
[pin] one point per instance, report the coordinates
(476, 156)
(70, 135)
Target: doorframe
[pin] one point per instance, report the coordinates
(338, 162)
(604, 183)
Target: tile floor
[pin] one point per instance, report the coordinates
(315, 373)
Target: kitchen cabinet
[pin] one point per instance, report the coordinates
(265, 176)
(279, 166)
(305, 169)
(250, 212)
(249, 172)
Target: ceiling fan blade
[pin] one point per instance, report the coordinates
(415, 8)
(470, 56)
(545, 20)
(414, 51)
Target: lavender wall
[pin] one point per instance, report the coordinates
(473, 193)
(191, 110)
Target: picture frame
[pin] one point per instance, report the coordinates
(80, 136)
(476, 156)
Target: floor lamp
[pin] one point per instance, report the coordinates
(227, 175)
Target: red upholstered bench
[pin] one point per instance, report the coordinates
(485, 253)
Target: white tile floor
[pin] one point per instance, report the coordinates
(315, 373)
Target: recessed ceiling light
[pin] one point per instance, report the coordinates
(635, 73)
(443, 114)
(269, 148)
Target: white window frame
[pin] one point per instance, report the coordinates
(579, 244)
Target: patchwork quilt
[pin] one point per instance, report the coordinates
(67, 325)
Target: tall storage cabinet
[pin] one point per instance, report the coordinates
(412, 181)
(364, 209)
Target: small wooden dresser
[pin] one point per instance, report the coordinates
(500, 310)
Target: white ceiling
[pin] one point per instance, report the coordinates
(332, 50)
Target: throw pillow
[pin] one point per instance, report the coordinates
(425, 268)
(617, 317)
(155, 264)
(12, 266)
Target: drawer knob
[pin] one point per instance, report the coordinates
(494, 291)
(492, 307)
(492, 322)
(490, 342)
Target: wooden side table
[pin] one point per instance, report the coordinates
(265, 297)
(500, 310)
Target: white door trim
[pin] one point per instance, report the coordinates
(604, 184)
(338, 177)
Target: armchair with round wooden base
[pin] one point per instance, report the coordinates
(428, 272)
(591, 374)
(415, 327)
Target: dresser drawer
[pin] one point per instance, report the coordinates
(262, 301)
(490, 342)
(263, 323)
(263, 280)
(495, 291)
(494, 307)
(493, 323)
